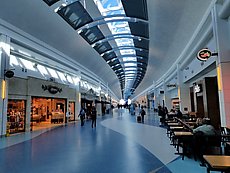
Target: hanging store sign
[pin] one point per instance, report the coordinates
(171, 85)
(205, 54)
(52, 89)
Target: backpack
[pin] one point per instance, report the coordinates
(142, 112)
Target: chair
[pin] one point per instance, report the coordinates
(225, 139)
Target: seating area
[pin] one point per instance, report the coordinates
(198, 145)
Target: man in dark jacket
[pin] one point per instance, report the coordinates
(93, 116)
(142, 113)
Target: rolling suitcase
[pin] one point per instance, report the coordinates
(139, 119)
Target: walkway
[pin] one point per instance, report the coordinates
(117, 145)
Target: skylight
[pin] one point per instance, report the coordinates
(115, 7)
(129, 59)
(129, 64)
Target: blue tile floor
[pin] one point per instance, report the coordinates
(117, 145)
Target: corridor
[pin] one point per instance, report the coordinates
(117, 144)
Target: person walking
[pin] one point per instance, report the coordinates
(82, 116)
(142, 113)
(93, 116)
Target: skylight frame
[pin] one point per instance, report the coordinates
(121, 34)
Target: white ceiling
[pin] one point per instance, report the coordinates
(171, 25)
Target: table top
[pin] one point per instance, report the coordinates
(173, 124)
(218, 161)
(176, 127)
(183, 133)
(190, 122)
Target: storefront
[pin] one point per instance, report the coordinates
(16, 116)
(39, 104)
(46, 111)
(205, 99)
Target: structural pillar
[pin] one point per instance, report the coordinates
(77, 100)
(4, 63)
(167, 97)
(183, 93)
(222, 38)
(28, 113)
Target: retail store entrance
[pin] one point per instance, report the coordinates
(47, 112)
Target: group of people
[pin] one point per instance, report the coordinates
(93, 114)
(164, 114)
(202, 125)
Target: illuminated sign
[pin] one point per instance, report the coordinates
(204, 54)
(3, 89)
(198, 88)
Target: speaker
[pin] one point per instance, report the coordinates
(9, 73)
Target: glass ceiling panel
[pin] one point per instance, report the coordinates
(129, 64)
(108, 7)
(129, 59)
(124, 42)
(102, 47)
(130, 68)
(92, 35)
(128, 51)
(132, 6)
(139, 29)
(50, 2)
(123, 38)
(75, 14)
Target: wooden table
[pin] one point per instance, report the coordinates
(175, 128)
(184, 138)
(178, 134)
(217, 162)
(173, 124)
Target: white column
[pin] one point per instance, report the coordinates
(183, 92)
(222, 38)
(77, 101)
(98, 108)
(66, 120)
(156, 98)
(167, 96)
(4, 63)
(28, 113)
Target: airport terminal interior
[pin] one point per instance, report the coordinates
(105, 86)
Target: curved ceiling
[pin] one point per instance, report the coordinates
(170, 24)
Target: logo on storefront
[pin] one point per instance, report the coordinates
(52, 89)
(205, 54)
(198, 88)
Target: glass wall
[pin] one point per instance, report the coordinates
(16, 116)
(45, 112)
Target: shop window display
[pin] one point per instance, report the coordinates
(16, 116)
(46, 112)
(71, 110)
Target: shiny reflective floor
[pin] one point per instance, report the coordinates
(117, 145)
